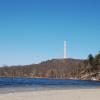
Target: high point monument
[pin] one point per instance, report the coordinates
(65, 50)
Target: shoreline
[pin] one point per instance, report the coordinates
(93, 80)
(49, 78)
(37, 88)
(74, 94)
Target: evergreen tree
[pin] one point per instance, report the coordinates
(97, 59)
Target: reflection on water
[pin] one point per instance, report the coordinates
(8, 85)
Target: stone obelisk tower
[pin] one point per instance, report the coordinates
(65, 49)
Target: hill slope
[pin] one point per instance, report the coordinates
(56, 68)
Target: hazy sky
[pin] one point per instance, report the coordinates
(34, 30)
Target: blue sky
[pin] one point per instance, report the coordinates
(34, 30)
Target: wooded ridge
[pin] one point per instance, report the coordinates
(88, 69)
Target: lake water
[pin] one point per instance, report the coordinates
(35, 84)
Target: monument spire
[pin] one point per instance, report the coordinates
(65, 49)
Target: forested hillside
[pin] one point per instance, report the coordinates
(57, 68)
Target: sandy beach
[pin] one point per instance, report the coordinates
(75, 94)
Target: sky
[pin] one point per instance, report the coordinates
(32, 31)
